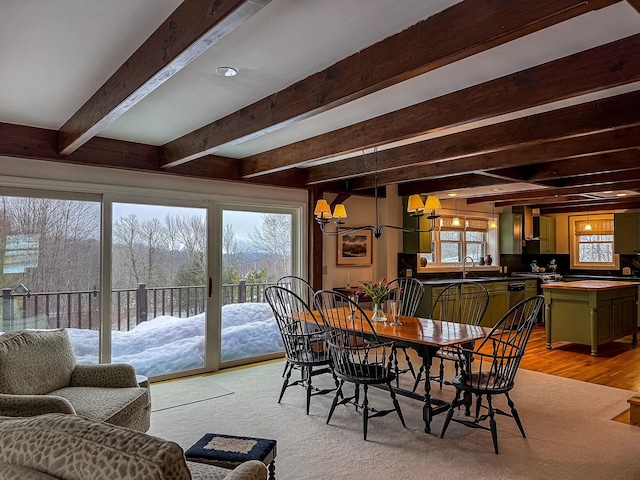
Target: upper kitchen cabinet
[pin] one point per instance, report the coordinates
(626, 227)
(510, 233)
(544, 233)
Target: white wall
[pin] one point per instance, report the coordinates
(361, 211)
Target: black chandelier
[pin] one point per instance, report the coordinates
(415, 207)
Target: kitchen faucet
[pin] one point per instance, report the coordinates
(464, 265)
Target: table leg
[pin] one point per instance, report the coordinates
(427, 411)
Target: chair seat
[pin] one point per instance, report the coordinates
(112, 405)
(310, 357)
(367, 374)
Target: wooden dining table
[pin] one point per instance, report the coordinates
(426, 337)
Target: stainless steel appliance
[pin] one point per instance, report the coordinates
(515, 293)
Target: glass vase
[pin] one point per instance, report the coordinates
(378, 313)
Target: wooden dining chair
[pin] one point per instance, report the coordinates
(494, 367)
(303, 338)
(359, 356)
(462, 302)
(299, 286)
(409, 293)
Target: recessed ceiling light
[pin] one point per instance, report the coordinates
(452, 194)
(226, 71)
(621, 194)
(608, 191)
(495, 190)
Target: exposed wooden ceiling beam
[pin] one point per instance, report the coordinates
(607, 141)
(596, 69)
(191, 29)
(455, 182)
(41, 144)
(597, 179)
(479, 25)
(569, 167)
(553, 192)
(564, 199)
(614, 112)
(630, 203)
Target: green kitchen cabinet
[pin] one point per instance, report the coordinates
(626, 228)
(547, 234)
(530, 288)
(590, 312)
(510, 233)
(498, 303)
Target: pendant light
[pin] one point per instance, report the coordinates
(493, 223)
(456, 221)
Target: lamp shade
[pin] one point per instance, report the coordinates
(415, 205)
(339, 211)
(432, 203)
(493, 223)
(455, 222)
(322, 209)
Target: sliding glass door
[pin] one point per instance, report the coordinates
(257, 249)
(50, 255)
(159, 287)
(158, 265)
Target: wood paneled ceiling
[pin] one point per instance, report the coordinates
(516, 102)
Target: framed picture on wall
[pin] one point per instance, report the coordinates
(355, 248)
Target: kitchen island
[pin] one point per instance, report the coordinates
(590, 312)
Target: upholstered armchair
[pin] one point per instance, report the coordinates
(68, 447)
(39, 374)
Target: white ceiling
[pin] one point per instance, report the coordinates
(55, 54)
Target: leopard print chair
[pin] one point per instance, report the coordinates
(69, 447)
(39, 374)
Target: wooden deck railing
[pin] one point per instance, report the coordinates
(129, 307)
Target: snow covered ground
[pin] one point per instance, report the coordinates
(169, 344)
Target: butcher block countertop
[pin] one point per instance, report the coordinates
(589, 285)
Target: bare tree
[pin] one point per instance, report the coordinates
(126, 232)
(274, 239)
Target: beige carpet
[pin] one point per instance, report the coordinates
(183, 392)
(570, 432)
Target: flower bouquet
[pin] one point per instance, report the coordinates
(378, 292)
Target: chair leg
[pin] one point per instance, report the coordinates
(335, 401)
(418, 378)
(357, 395)
(396, 368)
(287, 375)
(286, 365)
(396, 405)
(516, 417)
(308, 373)
(450, 413)
(365, 411)
(409, 364)
(478, 406)
(492, 424)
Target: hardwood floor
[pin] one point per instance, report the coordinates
(618, 363)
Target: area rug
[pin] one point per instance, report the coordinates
(569, 426)
(184, 392)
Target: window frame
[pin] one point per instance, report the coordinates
(434, 259)
(574, 247)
